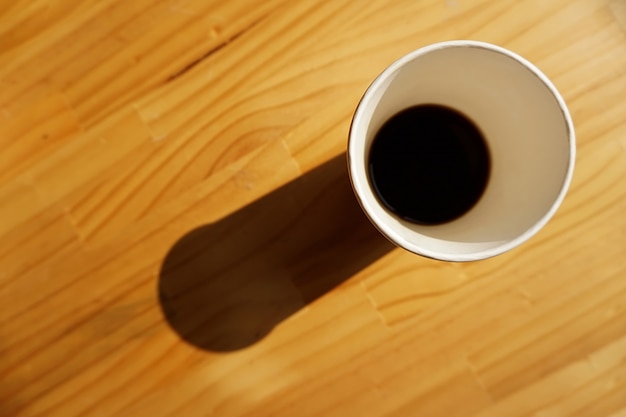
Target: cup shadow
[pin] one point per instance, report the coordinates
(224, 286)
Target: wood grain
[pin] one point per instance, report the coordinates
(178, 236)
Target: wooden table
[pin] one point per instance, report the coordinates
(178, 236)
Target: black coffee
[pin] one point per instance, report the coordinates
(429, 164)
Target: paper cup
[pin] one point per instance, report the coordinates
(527, 127)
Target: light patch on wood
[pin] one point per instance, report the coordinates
(618, 10)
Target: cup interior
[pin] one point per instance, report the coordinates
(526, 126)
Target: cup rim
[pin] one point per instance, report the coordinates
(388, 231)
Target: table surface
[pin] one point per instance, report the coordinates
(178, 236)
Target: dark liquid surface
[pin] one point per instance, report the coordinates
(429, 164)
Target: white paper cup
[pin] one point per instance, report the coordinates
(525, 122)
